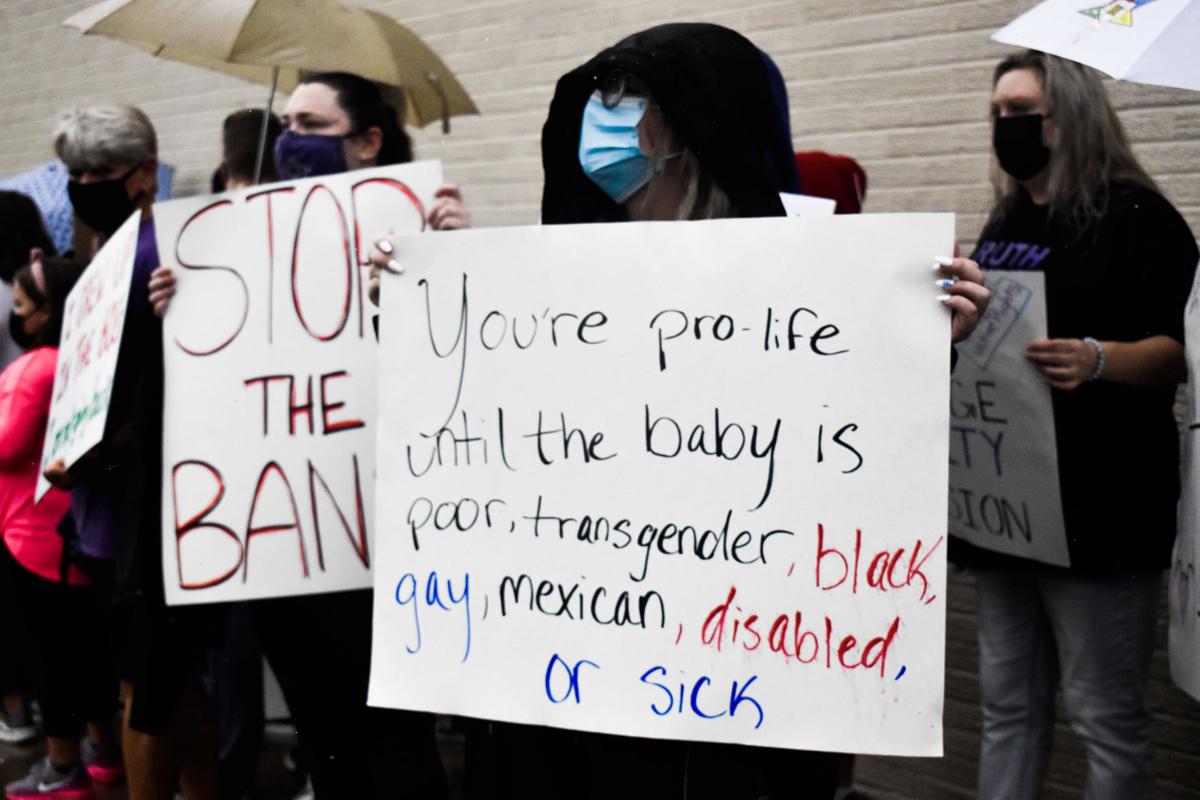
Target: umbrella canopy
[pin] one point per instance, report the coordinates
(258, 39)
(1144, 41)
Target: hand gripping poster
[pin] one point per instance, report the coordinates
(1183, 592)
(675, 480)
(269, 351)
(1004, 493)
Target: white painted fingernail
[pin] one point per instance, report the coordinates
(385, 246)
(943, 298)
(394, 266)
(944, 261)
(946, 283)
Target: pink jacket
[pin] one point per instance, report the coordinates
(30, 531)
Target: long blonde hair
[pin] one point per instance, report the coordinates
(1090, 148)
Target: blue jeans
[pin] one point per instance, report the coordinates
(1094, 637)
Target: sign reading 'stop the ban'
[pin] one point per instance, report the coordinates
(269, 350)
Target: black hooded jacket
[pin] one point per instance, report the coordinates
(712, 86)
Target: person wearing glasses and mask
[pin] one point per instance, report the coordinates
(673, 123)
(1074, 204)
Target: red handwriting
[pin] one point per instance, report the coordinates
(302, 406)
(193, 478)
(885, 570)
(323, 316)
(789, 635)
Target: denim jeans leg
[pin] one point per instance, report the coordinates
(1017, 677)
(1105, 634)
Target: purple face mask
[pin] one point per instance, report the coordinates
(308, 155)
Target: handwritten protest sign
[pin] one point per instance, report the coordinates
(93, 319)
(269, 350)
(1003, 461)
(675, 480)
(1183, 591)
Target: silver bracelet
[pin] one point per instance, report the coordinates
(1099, 357)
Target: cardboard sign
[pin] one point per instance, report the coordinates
(676, 480)
(1183, 591)
(269, 429)
(1004, 493)
(93, 321)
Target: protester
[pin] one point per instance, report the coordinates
(111, 156)
(23, 237)
(672, 123)
(1074, 204)
(320, 645)
(241, 134)
(63, 616)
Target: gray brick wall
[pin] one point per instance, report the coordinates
(901, 85)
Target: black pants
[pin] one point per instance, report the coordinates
(535, 763)
(235, 683)
(320, 649)
(68, 633)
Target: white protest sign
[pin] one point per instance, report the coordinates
(1004, 492)
(676, 480)
(1183, 591)
(269, 351)
(93, 320)
(798, 205)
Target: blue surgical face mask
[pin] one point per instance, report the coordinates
(608, 146)
(308, 155)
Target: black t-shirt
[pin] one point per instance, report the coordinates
(1124, 279)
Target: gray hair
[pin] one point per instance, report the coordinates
(99, 137)
(1090, 147)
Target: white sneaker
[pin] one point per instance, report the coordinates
(16, 731)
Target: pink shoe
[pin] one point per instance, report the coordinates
(103, 763)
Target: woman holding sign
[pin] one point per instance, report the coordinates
(62, 614)
(673, 123)
(319, 645)
(1074, 204)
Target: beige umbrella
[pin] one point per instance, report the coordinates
(277, 41)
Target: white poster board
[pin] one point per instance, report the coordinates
(674, 480)
(93, 321)
(1004, 493)
(269, 351)
(799, 205)
(1183, 591)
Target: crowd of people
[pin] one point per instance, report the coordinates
(678, 122)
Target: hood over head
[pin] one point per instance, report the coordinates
(713, 87)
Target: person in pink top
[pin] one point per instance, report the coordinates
(61, 609)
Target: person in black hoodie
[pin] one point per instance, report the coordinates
(675, 122)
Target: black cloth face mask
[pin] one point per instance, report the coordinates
(1018, 145)
(16, 329)
(103, 205)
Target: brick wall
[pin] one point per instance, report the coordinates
(901, 85)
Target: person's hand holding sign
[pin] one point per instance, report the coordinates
(162, 289)
(448, 213)
(964, 294)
